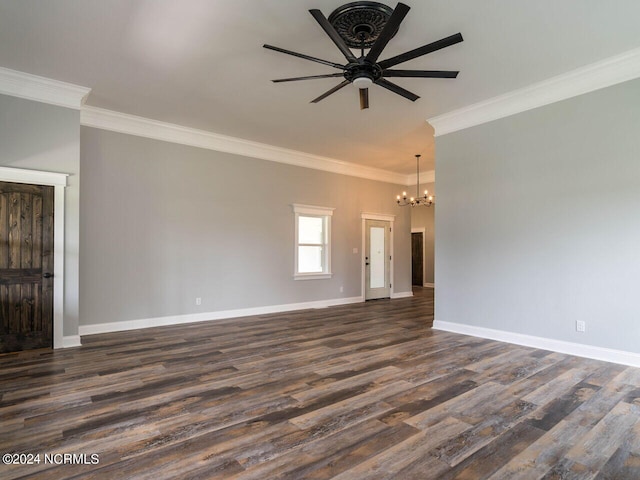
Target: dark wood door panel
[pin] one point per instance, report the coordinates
(9, 187)
(26, 266)
(11, 276)
(417, 249)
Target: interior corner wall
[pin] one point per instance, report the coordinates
(39, 136)
(424, 217)
(538, 221)
(163, 224)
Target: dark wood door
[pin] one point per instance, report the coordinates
(26, 266)
(417, 251)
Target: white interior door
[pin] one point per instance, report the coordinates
(377, 259)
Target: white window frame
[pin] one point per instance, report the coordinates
(314, 211)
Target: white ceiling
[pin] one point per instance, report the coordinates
(200, 63)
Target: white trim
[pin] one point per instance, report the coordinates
(71, 341)
(312, 276)
(41, 89)
(312, 209)
(145, 127)
(211, 316)
(384, 217)
(58, 267)
(570, 348)
(430, 285)
(59, 182)
(402, 295)
(595, 76)
(34, 177)
(378, 216)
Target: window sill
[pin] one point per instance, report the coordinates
(312, 276)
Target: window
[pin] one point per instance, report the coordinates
(313, 242)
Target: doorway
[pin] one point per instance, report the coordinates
(26, 266)
(377, 259)
(417, 258)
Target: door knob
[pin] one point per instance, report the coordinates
(47, 275)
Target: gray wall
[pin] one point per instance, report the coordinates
(538, 221)
(424, 217)
(162, 224)
(44, 137)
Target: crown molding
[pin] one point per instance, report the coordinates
(54, 92)
(41, 89)
(145, 127)
(589, 78)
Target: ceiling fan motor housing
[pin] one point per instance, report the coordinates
(362, 74)
(360, 23)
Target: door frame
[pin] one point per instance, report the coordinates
(385, 218)
(59, 182)
(423, 231)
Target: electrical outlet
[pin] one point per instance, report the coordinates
(581, 326)
(198, 301)
(341, 289)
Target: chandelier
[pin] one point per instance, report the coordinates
(418, 200)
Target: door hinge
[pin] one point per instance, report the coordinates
(389, 285)
(389, 257)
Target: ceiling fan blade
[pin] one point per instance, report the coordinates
(420, 73)
(333, 90)
(364, 98)
(418, 52)
(388, 31)
(397, 89)
(310, 77)
(306, 57)
(335, 36)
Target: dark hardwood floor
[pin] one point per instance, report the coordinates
(358, 391)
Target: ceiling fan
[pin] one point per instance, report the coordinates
(369, 25)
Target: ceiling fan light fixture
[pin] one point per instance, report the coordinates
(362, 81)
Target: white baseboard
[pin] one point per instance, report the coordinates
(203, 317)
(430, 285)
(560, 346)
(71, 341)
(401, 294)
